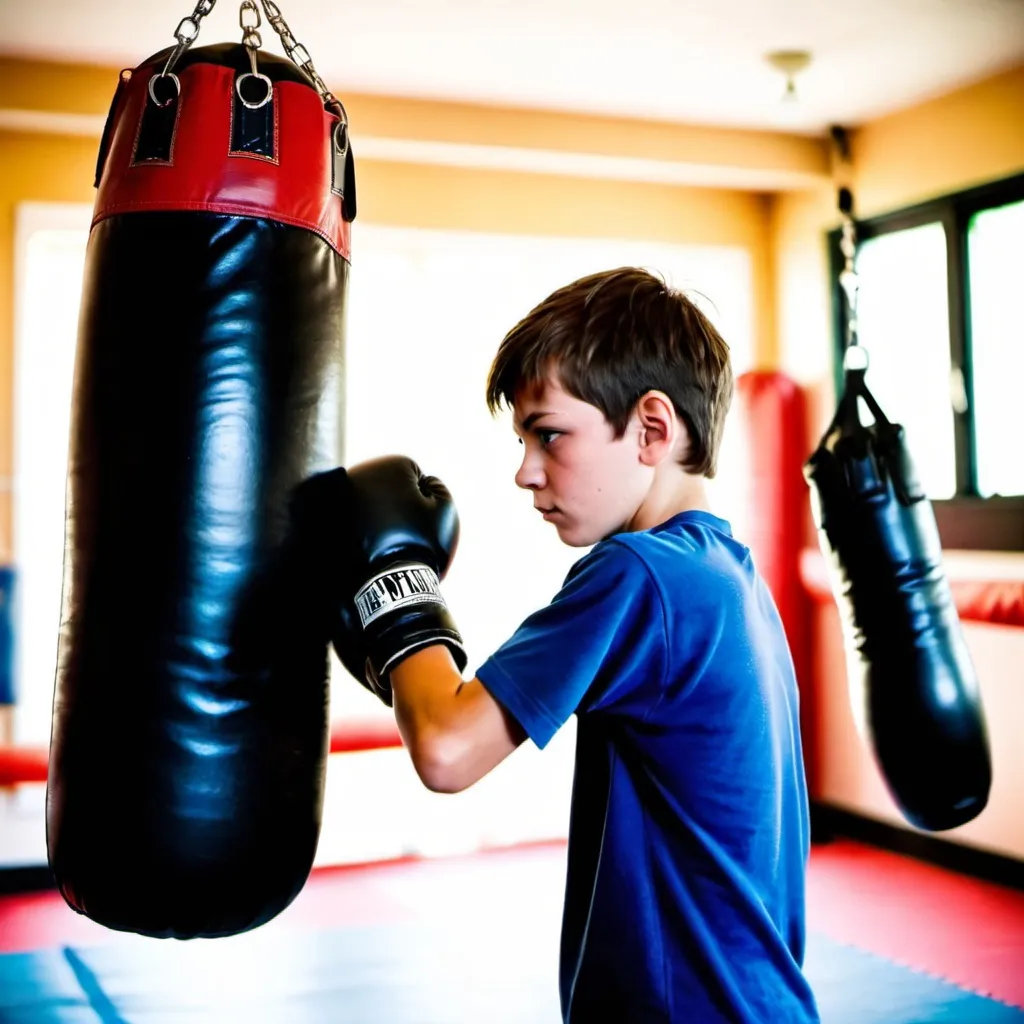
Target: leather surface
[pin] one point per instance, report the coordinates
(201, 172)
(390, 515)
(908, 656)
(191, 708)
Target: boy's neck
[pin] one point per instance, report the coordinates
(671, 493)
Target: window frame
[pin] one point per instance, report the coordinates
(967, 520)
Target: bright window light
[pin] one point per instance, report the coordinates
(50, 246)
(903, 316)
(997, 346)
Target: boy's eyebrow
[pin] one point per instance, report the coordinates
(532, 418)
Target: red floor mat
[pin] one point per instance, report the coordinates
(924, 917)
(967, 932)
(346, 896)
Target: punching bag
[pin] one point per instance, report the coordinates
(190, 718)
(907, 658)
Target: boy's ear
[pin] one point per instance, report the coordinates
(659, 427)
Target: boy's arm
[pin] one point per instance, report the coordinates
(454, 730)
(395, 633)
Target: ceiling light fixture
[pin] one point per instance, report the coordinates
(789, 63)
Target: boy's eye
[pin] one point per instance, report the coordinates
(547, 436)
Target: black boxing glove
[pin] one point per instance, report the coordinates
(403, 532)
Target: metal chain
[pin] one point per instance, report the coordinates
(855, 356)
(848, 278)
(300, 55)
(186, 32)
(249, 20)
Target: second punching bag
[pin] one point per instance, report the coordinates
(909, 663)
(190, 715)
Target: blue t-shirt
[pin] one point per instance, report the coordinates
(689, 833)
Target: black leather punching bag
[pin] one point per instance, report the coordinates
(190, 716)
(906, 652)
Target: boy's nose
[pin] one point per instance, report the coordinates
(531, 475)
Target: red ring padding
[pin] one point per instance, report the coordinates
(368, 734)
(770, 413)
(999, 602)
(19, 765)
(23, 764)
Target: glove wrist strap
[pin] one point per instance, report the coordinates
(397, 588)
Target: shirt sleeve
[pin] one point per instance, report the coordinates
(600, 644)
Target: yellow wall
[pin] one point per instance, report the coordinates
(967, 138)
(86, 90)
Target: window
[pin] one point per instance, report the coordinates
(995, 258)
(50, 240)
(937, 316)
(903, 321)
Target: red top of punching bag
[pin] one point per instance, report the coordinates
(204, 175)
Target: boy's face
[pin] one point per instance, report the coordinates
(585, 481)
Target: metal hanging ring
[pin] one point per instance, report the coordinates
(267, 83)
(152, 90)
(855, 358)
(341, 136)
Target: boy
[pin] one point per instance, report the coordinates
(689, 833)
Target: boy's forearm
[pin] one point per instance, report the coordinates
(425, 687)
(454, 730)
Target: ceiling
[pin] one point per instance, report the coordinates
(696, 61)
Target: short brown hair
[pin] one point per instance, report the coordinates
(611, 337)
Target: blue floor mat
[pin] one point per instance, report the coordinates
(854, 987)
(407, 974)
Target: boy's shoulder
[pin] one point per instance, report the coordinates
(691, 551)
(690, 538)
(684, 546)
